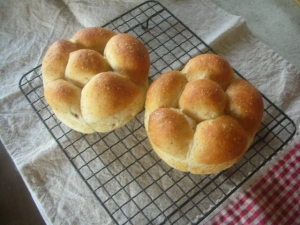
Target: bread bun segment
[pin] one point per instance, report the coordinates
(209, 66)
(96, 81)
(202, 119)
(128, 56)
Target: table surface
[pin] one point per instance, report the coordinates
(276, 23)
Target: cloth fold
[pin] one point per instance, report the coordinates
(27, 30)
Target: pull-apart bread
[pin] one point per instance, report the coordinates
(202, 119)
(96, 81)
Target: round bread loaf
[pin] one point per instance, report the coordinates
(202, 119)
(96, 81)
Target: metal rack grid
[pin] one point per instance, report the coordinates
(132, 184)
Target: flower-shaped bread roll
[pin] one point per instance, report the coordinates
(202, 119)
(97, 80)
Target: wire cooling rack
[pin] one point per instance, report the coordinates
(132, 184)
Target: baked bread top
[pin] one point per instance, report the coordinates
(97, 80)
(202, 119)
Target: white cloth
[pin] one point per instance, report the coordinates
(29, 27)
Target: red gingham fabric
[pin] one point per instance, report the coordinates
(275, 199)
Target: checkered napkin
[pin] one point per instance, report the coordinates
(274, 199)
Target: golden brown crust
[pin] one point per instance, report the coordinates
(203, 99)
(127, 55)
(113, 93)
(94, 38)
(218, 140)
(106, 89)
(56, 59)
(104, 98)
(204, 125)
(245, 104)
(175, 133)
(165, 92)
(64, 98)
(175, 136)
(83, 65)
(210, 66)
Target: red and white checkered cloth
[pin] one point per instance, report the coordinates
(274, 199)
